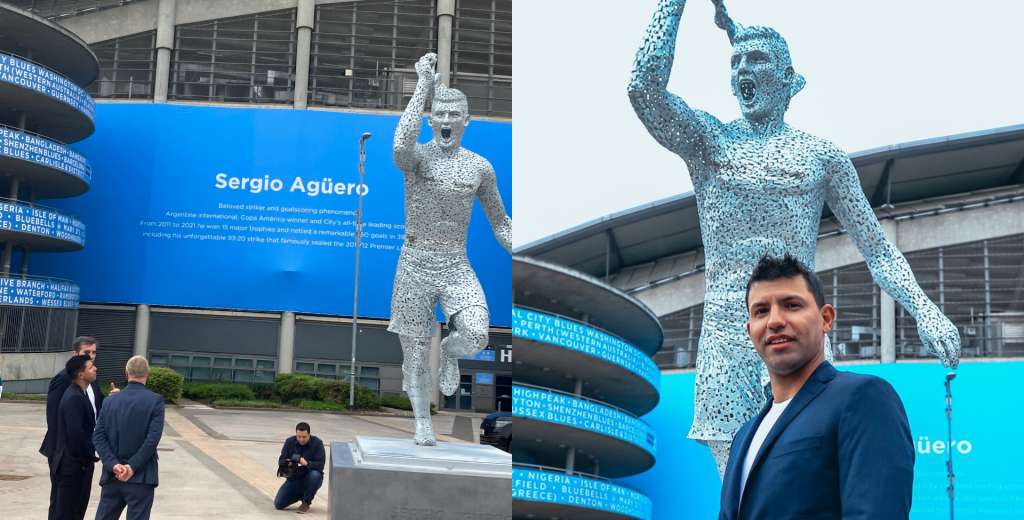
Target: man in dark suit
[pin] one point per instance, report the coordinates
(74, 455)
(828, 444)
(126, 437)
(83, 345)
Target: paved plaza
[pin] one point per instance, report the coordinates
(218, 464)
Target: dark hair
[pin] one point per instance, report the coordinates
(302, 427)
(76, 365)
(83, 340)
(773, 268)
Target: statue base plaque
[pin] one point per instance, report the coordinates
(394, 479)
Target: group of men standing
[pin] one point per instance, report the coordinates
(121, 432)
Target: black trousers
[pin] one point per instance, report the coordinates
(115, 495)
(52, 515)
(74, 484)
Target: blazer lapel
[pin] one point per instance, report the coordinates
(741, 443)
(812, 387)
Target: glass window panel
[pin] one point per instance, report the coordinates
(305, 368)
(228, 59)
(265, 376)
(243, 363)
(265, 364)
(126, 67)
(179, 361)
(362, 51)
(201, 373)
(243, 376)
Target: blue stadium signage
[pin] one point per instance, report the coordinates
(36, 292)
(25, 146)
(28, 75)
(557, 408)
(35, 220)
(554, 330)
(570, 490)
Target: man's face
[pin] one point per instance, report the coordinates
(88, 349)
(302, 437)
(448, 119)
(761, 81)
(786, 325)
(89, 374)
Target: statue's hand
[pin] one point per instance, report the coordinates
(722, 19)
(940, 336)
(425, 67)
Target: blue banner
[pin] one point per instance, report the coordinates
(558, 488)
(38, 292)
(255, 209)
(26, 146)
(554, 330)
(29, 75)
(557, 408)
(987, 423)
(36, 220)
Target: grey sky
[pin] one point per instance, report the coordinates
(878, 73)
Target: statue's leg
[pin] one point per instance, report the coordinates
(467, 335)
(416, 382)
(720, 451)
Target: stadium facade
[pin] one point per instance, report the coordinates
(953, 205)
(222, 208)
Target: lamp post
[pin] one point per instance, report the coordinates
(355, 291)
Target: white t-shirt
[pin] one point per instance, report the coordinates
(92, 399)
(759, 436)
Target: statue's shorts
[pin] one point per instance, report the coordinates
(425, 279)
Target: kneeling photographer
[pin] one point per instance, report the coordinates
(302, 464)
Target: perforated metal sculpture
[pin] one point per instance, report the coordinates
(441, 181)
(760, 185)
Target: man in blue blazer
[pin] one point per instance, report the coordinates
(828, 444)
(126, 437)
(73, 454)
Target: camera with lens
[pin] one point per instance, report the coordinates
(291, 469)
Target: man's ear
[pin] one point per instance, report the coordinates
(828, 317)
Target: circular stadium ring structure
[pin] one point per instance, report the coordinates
(562, 345)
(38, 291)
(581, 294)
(54, 170)
(48, 44)
(583, 376)
(55, 106)
(550, 493)
(588, 425)
(40, 228)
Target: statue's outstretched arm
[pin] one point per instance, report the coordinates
(887, 265)
(686, 131)
(494, 208)
(408, 131)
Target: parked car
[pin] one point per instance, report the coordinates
(496, 430)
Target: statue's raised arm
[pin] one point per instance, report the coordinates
(692, 134)
(408, 131)
(494, 208)
(888, 267)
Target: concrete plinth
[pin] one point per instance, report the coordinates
(385, 478)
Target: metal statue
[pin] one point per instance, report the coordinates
(441, 181)
(760, 185)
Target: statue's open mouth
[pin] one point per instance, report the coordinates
(446, 133)
(747, 89)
